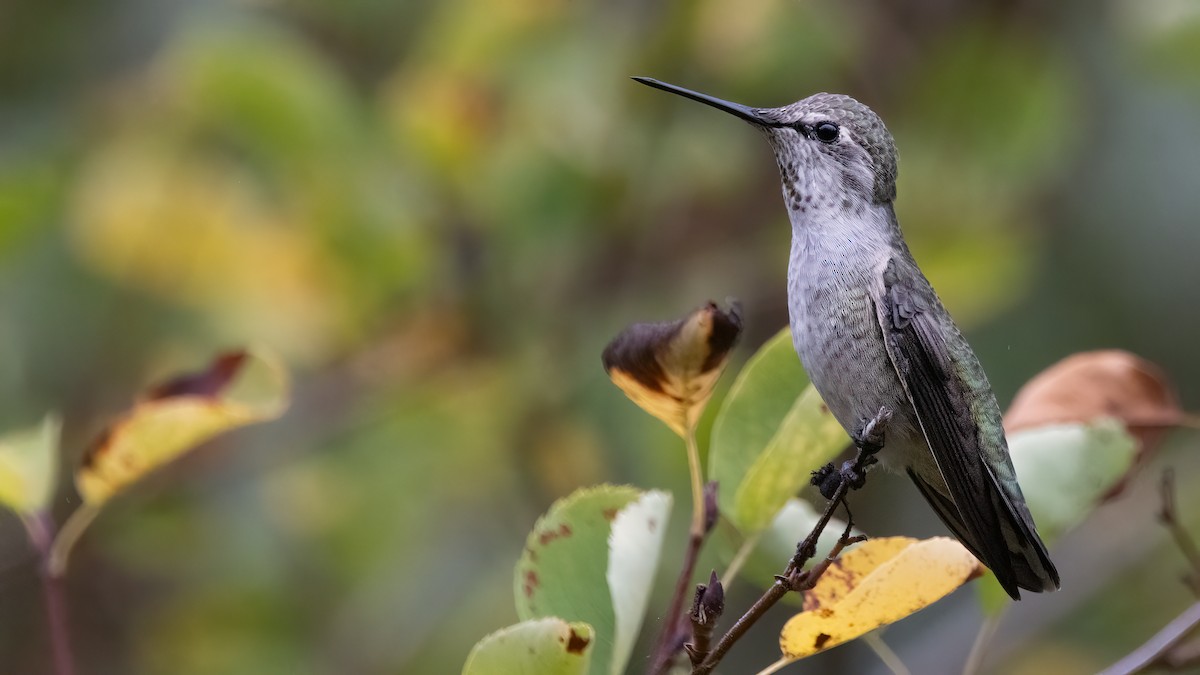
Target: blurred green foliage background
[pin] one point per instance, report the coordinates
(439, 212)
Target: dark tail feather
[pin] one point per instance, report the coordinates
(1027, 565)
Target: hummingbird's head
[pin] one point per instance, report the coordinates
(828, 146)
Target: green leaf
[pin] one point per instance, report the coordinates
(1064, 470)
(28, 465)
(756, 404)
(808, 438)
(770, 434)
(548, 646)
(592, 558)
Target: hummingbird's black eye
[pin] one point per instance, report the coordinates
(826, 132)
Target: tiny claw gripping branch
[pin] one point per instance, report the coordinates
(870, 438)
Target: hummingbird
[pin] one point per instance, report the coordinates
(873, 335)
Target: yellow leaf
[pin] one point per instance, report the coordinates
(198, 234)
(28, 464)
(238, 388)
(876, 583)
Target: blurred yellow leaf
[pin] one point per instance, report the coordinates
(237, 389)
(876, 583)
(200, 234)
(670, 368)
(28, 463)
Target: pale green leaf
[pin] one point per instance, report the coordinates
(756, 404)
(634, 547)
(28, 464)
(1064, 471)
(547, 646)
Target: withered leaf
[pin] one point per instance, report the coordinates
(670, 368)
(237, 388)
(1088, 386)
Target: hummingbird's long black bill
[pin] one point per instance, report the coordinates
(751, 115)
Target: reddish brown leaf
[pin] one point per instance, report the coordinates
(1088, 386)
(1091, 385)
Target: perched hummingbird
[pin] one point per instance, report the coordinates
(872, 333)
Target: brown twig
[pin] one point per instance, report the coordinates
(1168, 515)
(1156, 649)
(707, 608)
(834, 485)
(671, 637)
(40, 528)
(1182, 656)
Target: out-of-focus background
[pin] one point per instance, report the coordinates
(439, 213)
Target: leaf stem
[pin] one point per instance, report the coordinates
(890, 658)
(671, 635)
(987, 630)
(740, 558)
(1168, 515)
(60, 551)
(774, 667)
(693, 455)
(40, 527)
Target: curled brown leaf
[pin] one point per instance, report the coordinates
(670, 368)
(1090, 385)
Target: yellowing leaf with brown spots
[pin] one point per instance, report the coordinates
(592, 557)
(547, 646)
(876, 583)
(238, 388)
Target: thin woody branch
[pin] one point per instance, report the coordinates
(834, 485)
(1168, 648)
(673, 633)
(1156, 649)
(707, 608)
(1168, 515)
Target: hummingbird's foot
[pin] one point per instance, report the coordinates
(854, 472)
(869, 439)
(826, 479)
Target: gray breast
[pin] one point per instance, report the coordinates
(837, 335)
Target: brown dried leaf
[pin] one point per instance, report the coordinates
(670, 368)
(1091, 386)
(1088, 386)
